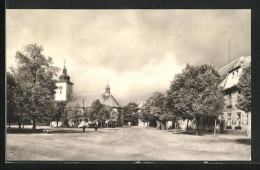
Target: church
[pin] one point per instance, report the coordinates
(64, 92)
(65, 87)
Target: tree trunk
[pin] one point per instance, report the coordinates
(177, 126)
(19, 122)
(34, 123)
(187, 125)
(197, 125)
(215, 127)
(57, 123)
(23, 123)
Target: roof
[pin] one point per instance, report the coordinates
(238, 62)
(89, 98)
(109, 100)
(105, 98)
(141, 104)
(232, 72)
(224, 70)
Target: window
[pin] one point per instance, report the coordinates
(229, 101)
(239, 118)
(244, 119)
(229, 119)
(60, 92)
(60, 87)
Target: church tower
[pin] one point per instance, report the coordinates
(64, 85)
(108, 99)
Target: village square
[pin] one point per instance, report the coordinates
(89, 123)
(101, 108)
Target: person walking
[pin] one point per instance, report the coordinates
(83, 125)
(95, 127)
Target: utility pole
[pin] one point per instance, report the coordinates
(122, 118)
(83, 104)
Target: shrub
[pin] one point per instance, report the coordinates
(228, 127)
(238, 127)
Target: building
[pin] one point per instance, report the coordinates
(234, 118)
(63, 92)
(65, 86)
(106, 98)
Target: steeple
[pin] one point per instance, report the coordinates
(64, 76)
(64, 68)
(107, 89)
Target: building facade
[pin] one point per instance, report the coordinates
(233, 117)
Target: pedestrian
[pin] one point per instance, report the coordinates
(95, 127)
(83, 123)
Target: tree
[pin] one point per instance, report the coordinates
(244, 85)
(95, 108)
(130, 113)
(156, 102)
(11, 104)
(104, 114)
(196, 93)
(34, 74)
(72, 112)
(58, 111)
(146, 115)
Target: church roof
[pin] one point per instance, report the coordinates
(89, 98)
(106, 98)
(64, 77)
(109, 100)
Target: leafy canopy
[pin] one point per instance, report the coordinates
(244, 99)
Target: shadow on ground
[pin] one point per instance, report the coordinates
(192, 133)
(31, 131)
(244, 141)
(23, 131)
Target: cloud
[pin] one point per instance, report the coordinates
(137, 51)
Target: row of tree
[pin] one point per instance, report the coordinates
(195, 94)
(30, 95)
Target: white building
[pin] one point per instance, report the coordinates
(63, 92)
(65, 86)
(231, 73)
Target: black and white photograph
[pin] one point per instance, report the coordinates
(128, 85)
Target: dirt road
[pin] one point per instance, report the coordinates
(127, 144)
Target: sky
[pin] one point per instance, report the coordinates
(137, 52)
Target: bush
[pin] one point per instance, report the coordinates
(238, 127)
(228, 127)
(64, 125)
